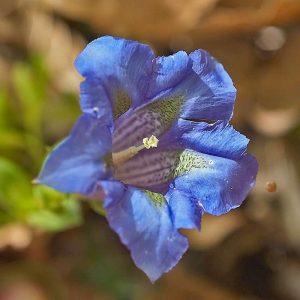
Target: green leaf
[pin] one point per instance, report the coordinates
(57, 211)
(15, 191)
(3, 108)
(30, 82)
(38, 206)
(11, 138)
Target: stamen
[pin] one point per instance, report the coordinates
(150, 142)
(124, 155)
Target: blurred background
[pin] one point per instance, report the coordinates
(55, 246)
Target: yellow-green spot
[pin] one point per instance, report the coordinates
(184, 162)
(168, 109)
(156, 198)
(189, 160)
(122, 103)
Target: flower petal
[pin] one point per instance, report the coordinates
(144, 223)
(158, 115)
(220, 184)
(122, 67)
(219, 139)
(78, 162)
(94, 100)
(219, 82)
(206, 88)
(186, 211)
(180, 87)
(169, 72)
(215, 169)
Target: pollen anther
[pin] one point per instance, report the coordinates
(150, 142)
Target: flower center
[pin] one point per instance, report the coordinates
(124, 155)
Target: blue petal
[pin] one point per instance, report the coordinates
(217, 79)
(119, 66)
(169, 72)
(219, 139)
(207, 89)
(177, 91)
(78, 162)
(94, 100)
(186, 211)
(220, 184)
(144, 224)
(215, 168)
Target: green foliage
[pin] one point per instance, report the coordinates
(36, 205)
(24, 109)
(14, 188)
(56, 211)
(30, 82)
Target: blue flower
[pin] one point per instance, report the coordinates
(154, 139)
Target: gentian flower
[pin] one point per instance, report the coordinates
(154, 140)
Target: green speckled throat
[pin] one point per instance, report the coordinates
(168, 109)
(157, 199)
(189, 160)
(121, 104)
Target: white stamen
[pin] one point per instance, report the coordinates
(150, 142)
(124, 155)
